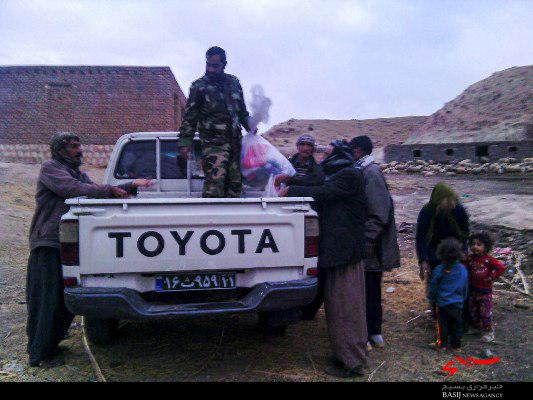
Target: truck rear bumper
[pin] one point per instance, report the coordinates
(123, 303)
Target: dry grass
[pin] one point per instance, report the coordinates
(229, 348)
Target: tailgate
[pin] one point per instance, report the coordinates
(140, 236)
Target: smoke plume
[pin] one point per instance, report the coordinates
(259, 107)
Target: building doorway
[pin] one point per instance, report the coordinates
(482, 151)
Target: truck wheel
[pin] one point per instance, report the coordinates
(310, 311)
(101, 331)
(265, 326)
(276, 322)
(273, 330)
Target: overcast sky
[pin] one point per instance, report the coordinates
(315, 59)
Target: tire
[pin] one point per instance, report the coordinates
(101, 331)
(310, 311)
(278, 330)
(276, 322)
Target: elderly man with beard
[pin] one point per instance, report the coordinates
(59, 179)
(308, 171)
(341, 208)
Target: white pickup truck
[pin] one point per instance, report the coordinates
(169, 253)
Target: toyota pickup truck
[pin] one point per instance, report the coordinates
(169, 253)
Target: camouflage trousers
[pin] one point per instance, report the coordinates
(222, 169)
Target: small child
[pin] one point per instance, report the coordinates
(483, 269)
(448, 288)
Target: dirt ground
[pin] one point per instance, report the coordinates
(230, 349)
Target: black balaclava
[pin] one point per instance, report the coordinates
(341, 157)
(59, 141)
(363, 142)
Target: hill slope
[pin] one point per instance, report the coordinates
(383, 131)
(498, 108)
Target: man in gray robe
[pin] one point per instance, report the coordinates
(382, 251)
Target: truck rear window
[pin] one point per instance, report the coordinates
(173, 164)
(138, 160)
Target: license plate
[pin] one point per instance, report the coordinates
(195, 281)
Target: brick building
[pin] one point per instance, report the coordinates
(99, 103)
(475, 151)
(490, 143)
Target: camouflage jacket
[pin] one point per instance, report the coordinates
(215, 109)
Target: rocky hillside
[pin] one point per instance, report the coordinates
(497, 108)
(383, 131)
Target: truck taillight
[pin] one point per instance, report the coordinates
(69, 242)
(311, 237)
(69, 282)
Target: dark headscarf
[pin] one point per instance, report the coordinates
(441, 192)
(58, 142)
(341, 157)
(363, 142)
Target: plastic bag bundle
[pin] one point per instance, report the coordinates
(270, 189)
(261, 161)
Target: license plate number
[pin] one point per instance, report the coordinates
(195, 281)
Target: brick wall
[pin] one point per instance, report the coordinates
(458, 151)
(98, 103)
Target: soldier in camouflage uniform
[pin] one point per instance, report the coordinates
(216, 109)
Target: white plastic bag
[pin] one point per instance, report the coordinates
(270, 189)
(261, 161)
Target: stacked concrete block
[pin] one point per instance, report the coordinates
(93, 155)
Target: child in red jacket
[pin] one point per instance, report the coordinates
(483, 269)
